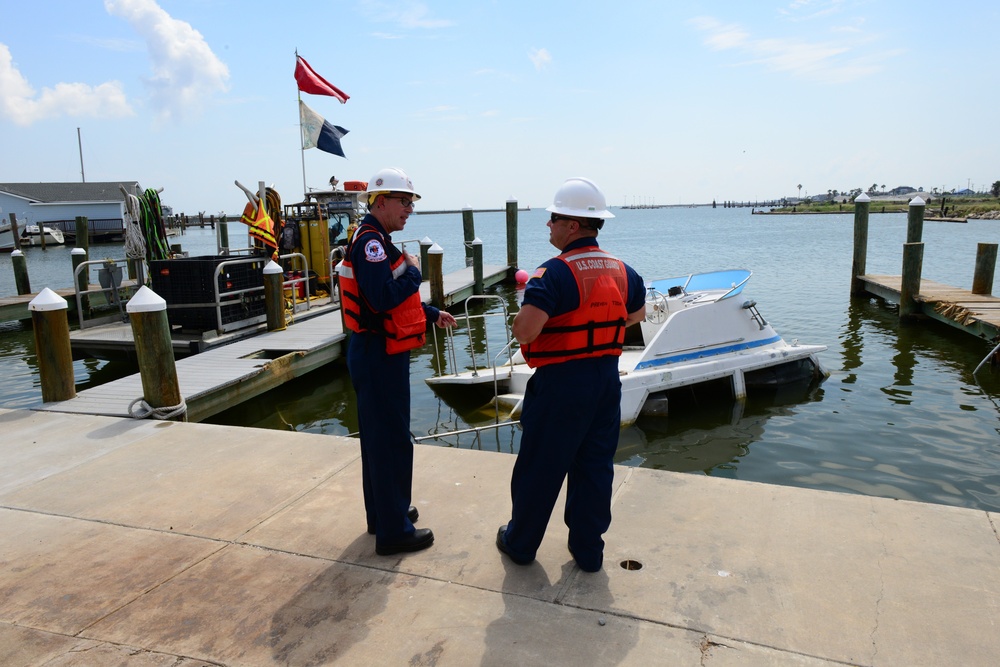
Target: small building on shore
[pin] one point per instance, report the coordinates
(58, 204)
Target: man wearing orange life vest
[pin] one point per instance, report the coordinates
(381, 303)
(571, 327)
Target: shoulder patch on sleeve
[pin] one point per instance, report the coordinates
(539, 272)
(374, 252)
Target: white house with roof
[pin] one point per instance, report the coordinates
(59, 204)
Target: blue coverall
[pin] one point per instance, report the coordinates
(571, 419)
(382, 384)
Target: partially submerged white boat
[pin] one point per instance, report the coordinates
(698, 329)
(31, 235)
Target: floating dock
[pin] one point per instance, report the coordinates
(224, 376)
(15, 308)
(220, 378)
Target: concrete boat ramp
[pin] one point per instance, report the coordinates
(142, 543)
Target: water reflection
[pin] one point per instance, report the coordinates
(322, 402)
(709, 431)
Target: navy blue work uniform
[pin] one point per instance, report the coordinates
(382, 384)
(571, 419)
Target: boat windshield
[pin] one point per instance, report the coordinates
(732, 280)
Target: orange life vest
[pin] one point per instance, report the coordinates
(261, 225)
(597, 327)
(404, 327)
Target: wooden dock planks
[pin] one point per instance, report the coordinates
(978, 314)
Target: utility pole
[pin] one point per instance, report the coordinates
(79, 143)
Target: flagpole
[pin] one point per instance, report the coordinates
(302, 150)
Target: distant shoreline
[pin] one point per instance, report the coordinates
(474, 210)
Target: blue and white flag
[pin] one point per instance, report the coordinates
(318, 133)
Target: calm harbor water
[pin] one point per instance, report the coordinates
(901, 415)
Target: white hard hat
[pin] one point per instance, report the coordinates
(388, 180)
(581, 198)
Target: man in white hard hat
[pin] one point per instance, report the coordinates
(571, 327)
(381, 304)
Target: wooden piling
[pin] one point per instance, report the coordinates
(435, 271)
(83, 233)
(222, 234)
(512, 234)
(915, 221)
(13, 230)
(274, 296)
(469, 233)
(859, 265)
(986, 261)
(477, 266)
(155, 354)
(913, 257)
(49, 319)
(20, 264)
(425, 244)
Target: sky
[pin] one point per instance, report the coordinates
(481, 102)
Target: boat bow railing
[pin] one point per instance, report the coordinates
(451, 356)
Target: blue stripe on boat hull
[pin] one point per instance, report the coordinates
(703, 354)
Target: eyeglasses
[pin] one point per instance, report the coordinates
(554, 218)
(405, 201)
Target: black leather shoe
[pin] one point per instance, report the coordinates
(502, 546)
(421, 539)
(587, 567)
(412, 514)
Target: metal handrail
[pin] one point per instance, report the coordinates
(80, 294)
(336, 255)
(452, 356)
(474, 429)
(233, 293)
(293, 282)
(450, 335)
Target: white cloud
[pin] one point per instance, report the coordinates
(185, 70)
(540, 57)
(406, 13)
(804, 10)
(831, 61)
(20, 103)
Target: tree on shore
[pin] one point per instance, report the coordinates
(995, 189)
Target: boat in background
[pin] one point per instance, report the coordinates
(30, 235)
(6, 237)
(698, 330)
